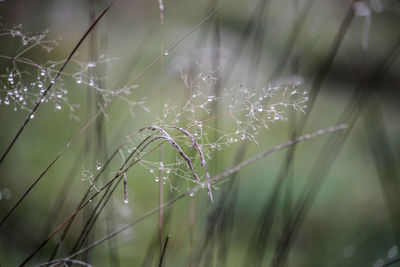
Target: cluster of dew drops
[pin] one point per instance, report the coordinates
(25, 84)
(249, 109)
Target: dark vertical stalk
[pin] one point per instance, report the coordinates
(163, 251)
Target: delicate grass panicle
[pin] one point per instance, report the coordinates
(25, 78)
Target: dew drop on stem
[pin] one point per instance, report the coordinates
(99, 165)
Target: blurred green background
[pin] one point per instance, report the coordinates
(350, 223)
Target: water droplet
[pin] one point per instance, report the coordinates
(166, 53)
(393, 251)
(167, 171)
(361, 9)
(6, 101)
(40, 84)
(191, 193)
(25, 88)
(6, 193)
(91, 64)
(243, 136)
(349, 251)
(79, 80)
(32, 116)
(276, 116)
(24, 41)
(151, 170)
(59, 94)
(91, 82)
(260, 108)
(156, 179)
(52, 81)
(126, 201)
(42, 72)
(99, 165)
(58, 106)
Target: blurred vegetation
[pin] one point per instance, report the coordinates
(348, 217)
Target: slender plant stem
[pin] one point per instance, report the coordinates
(160, 185)
(163, 251)
(216, 178)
